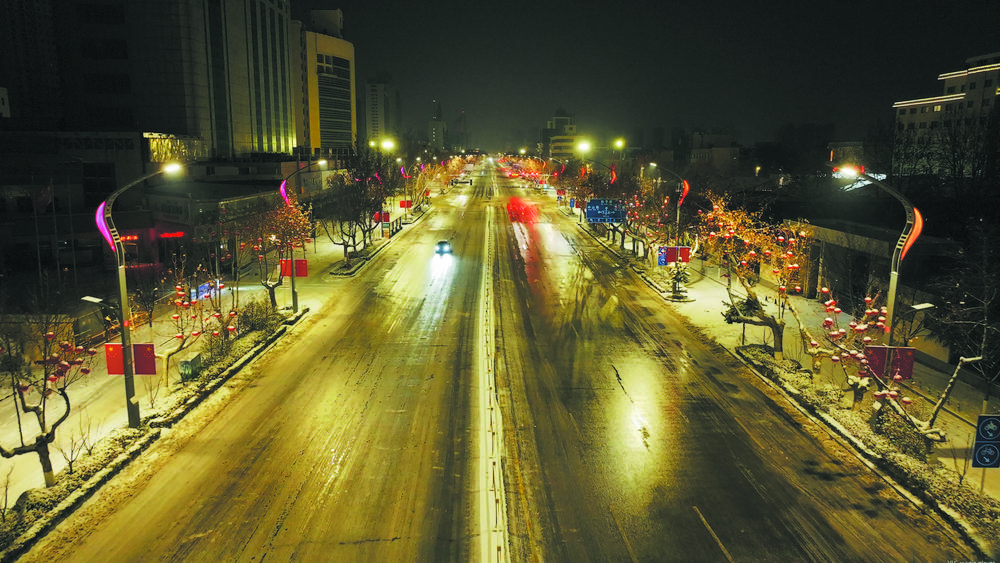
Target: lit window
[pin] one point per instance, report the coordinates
(937, 107)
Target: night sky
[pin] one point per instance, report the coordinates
(618, 67)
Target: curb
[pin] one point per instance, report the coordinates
(168, 420)
(25, 541)
(875, 462)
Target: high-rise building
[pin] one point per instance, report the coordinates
(324, 75)
(437, 129)
(381, 109)
(212, 76)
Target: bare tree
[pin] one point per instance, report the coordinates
(40, 364)
(745, 244)
(5, 504)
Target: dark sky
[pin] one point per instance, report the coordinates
(742, 67)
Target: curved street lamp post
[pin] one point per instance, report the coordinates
(106, 225)
(284, 195)
(909, 235)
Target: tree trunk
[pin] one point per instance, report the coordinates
(778, 331)
(42, 448)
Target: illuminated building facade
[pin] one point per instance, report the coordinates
(324, 103)
(929, 128)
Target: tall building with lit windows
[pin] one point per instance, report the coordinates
(211, 76)
(929, 130)
(324, 102)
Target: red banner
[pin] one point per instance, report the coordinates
(114, 360)
(673, 254)
(301, 267)
(899, 359)
(143, 359)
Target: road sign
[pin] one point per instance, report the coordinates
(986, 450)
(605, 211)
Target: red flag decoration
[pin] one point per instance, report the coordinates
(898, 358)
(301, 267)
(671, 254)
(144, 358)
(114, 360)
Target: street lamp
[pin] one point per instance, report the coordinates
(913, 310)
(911, 231)
(284, 195)
(107, 227)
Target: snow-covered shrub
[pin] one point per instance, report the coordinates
(910, 442)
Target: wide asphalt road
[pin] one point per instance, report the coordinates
(628, 437)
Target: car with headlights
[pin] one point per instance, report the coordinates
(442, 247)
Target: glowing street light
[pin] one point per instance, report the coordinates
(911, 231)
(106, 225)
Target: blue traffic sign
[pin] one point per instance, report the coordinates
(605, 211)
(986, 450)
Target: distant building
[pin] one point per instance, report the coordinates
(381, 109)
(718, 151)
(563, 146)
(930, 130)
(4, 104)
(557, 130)
(437, 128)
(324, 77)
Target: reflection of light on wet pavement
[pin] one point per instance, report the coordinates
(441, 268)
(640, 426)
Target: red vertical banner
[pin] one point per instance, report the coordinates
(114, 359)
(144, 358)
(301, 267)
(881, 365)
(685, 254)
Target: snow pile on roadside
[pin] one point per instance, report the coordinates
(38, 510)
(931, 482)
